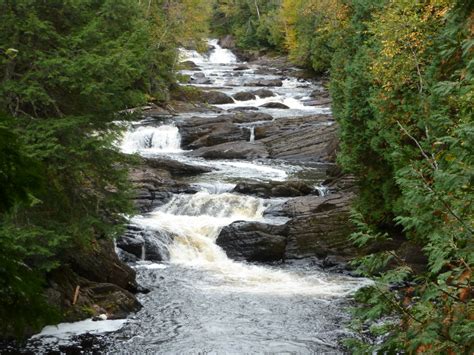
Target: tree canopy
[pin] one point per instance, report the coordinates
(67, 68)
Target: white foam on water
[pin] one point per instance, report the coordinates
(323, 190)
(192, 55)
(65, 331)
(196, 221)
(217, 55)
(220, 55)
(152, 140)
(251, 170)
(150, 265)
(215, 187)
(252, 134)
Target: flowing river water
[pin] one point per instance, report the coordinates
(200, 301)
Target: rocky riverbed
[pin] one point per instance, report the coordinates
(241, 244)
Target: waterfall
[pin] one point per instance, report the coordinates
(252, 134)
(143, 256)
(220, 55)
(323, 190)
(217, 55)
(196, 221)
(146, 139)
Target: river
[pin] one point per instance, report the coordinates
(200, 301)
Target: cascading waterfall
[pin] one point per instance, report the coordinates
(252, 134)
(196, 221)
(323, 190)
(218, 55)
(146, 139)
(287, 308)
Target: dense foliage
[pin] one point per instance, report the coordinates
(402, 83)
(404, 101)
(67, 68)
(254, 23)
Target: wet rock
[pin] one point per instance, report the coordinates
(244, 96)
(145, 244)
(253, 241)
(197, 132)
(103, 265)
(319, 226)
(336, 263)
(300, 139)
(118, 303)
(263, 93)
(241, 67)
(154, 184)
(249, 117)
(266, 82)
(99, 279)
(216, 98)
(342, 183)
(319, 93)
(274, 189)
(132, 243)
(277, 105)
(243, 109)
(319, 102)
(227, 42)
(200, 79)
(232, 150)
(176, 168)
(151, 111)
(189, 65)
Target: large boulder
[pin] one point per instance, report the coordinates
(215, 98)
(243, 109)
(274, 189)
(266, 82)
(241, 67)
(277, 105)
(263, 93)
(318, 102)
(319, 226)
(189, 65)
(232, 150)
(197, 132)
(253, 241)
(200, 79)
(176, 168)
(154, 183)
(145, 244)
(91, 281)
(244, 96)
(300, 139)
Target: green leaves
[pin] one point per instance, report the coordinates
(400, 86)
(63, 183)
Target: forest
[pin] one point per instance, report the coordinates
(401, 77)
